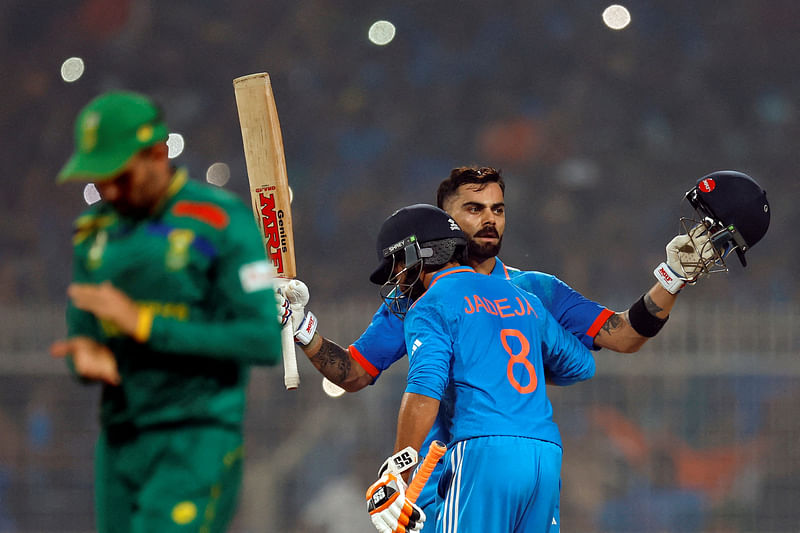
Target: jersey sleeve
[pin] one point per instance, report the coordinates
(576, 313)
(565, 357)
(381, 344)
(80, 323)
(429, 350)
(242, 319)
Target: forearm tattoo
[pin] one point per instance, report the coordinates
(333, 361)
(614, 322)
(652, 307)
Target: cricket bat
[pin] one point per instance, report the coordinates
(435, 452)
(269, 189)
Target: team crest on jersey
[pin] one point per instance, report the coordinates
(178, 252)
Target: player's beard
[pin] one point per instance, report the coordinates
(480, 252)
(140, 198)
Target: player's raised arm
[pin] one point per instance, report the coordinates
(356, 366)
(732, 214)
(380, 345)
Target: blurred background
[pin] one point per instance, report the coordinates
(598, 131)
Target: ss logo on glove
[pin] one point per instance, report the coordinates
(403, 460)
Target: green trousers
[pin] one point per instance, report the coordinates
(177, 479)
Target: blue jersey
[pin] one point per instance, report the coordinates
(382, 343)
(480, 345)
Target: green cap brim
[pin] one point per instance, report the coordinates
(101, 166)
(85, 167)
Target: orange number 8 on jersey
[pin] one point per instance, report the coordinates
(522, 358)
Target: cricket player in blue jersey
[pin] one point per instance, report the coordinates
(474, 197)
(478, 347)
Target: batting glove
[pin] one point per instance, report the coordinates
(304, 324)
(687, 255)
(389, 509)
(284, 308)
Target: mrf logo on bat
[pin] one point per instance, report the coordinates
(272, 226)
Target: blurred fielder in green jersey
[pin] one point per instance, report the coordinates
(172, 301)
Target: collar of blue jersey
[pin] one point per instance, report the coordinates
(447, 271)
(461, 269)
(500, 269)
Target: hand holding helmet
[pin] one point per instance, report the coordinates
(732, 214)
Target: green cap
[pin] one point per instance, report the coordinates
(109, 131)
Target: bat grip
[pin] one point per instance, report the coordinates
(291, 377)
(435, 452)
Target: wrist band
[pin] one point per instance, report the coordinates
(305, 333)
(668, 279)
(644, 323)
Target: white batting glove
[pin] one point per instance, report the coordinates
(297, 293)
(304, 325)
(687, 255)
(389, 509)
(284, 309)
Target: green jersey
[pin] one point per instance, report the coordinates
(197, 268)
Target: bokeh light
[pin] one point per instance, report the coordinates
(381, 32)
(616, 17)
(218, 174)
(175, 144)
(91, 194)
(72, 69)
(331, 389)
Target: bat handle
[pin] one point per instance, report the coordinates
(435, 452)
(291, 377)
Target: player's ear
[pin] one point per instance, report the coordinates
(158, 151)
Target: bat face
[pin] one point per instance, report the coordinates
(266, 169)
(269, 188)
(273, 225)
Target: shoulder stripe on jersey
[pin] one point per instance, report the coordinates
(361, 360)
(601, 319)
(205, 212)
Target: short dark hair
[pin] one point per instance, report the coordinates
(461, 175)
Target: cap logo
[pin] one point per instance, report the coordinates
(89, 127)
(707, 185)
(144, 133)
(453, 225)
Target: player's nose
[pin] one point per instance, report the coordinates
(489, 218)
